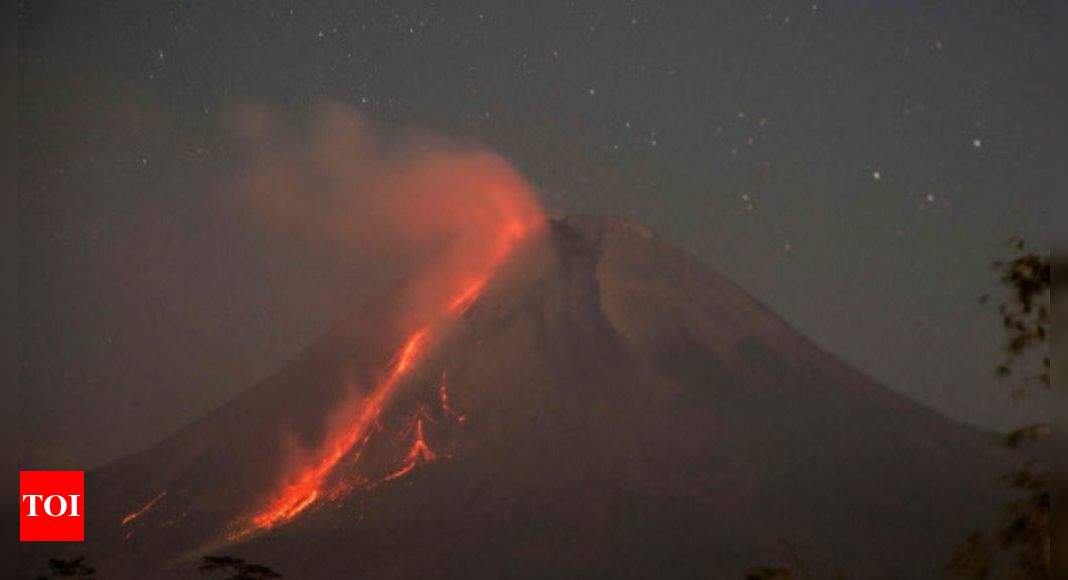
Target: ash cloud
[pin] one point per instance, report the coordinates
(192, 257)
(408, 204)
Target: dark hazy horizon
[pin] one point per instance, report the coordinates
(854, 165)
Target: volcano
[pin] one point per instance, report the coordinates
(604, 406)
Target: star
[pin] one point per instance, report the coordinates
(876, 175)
(977, 143)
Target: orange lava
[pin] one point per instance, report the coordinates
(458, 281)
(443, 398)
(420, 452)
(143, 509)
(305, 488)
(467, 296)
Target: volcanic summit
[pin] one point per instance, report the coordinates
(604, 405)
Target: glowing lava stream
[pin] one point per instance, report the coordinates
(305, 488)
(420, 452)
(143, 509)
(297, 495)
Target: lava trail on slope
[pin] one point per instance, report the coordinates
(459, 278)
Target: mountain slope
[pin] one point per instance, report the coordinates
(608, 407)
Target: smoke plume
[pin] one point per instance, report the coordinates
(445, 215)
(431, 211)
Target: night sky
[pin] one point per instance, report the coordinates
(854, 164)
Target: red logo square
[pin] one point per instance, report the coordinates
(52, 506)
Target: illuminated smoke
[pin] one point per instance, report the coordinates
(449, 215)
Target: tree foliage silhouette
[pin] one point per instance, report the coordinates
(73, 568)
(1025, 534)
(236, 568)
(795, 569)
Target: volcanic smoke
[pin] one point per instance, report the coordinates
(457, 212)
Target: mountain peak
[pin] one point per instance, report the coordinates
(595, 227)
(609, 407)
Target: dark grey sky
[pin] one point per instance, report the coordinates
(854, 164)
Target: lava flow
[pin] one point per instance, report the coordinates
(503, 219)
(420, 452)
(307, 486)
(143, 509)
